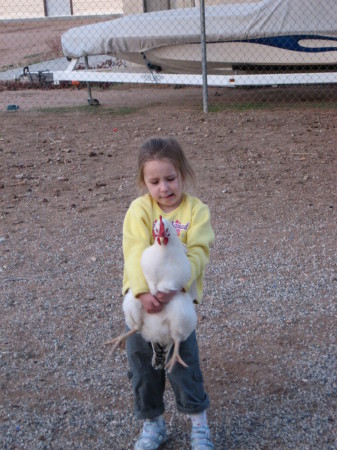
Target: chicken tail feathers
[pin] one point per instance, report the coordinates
(160, 355)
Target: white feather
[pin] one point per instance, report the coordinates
(166, 268)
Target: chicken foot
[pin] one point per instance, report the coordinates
(175, 358)
(120, 340)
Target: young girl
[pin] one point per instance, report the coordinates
(163, 172)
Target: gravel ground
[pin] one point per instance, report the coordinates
(267, 325)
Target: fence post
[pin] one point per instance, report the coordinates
(203, 56)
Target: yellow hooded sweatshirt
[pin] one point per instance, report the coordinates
(192, 222)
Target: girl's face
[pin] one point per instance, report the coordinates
(164, 183)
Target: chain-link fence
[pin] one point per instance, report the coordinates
(268, 50)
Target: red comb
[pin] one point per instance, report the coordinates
(161, 227)
(161, 232)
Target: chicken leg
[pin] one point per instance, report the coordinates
(175, 358)
(120, 340)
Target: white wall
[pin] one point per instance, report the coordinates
(25, 9)
(136, 6)
(21, 9)
(90, 7)
(29, 9)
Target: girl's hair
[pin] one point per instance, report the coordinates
(159, 148)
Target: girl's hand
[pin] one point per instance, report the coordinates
(154, 304)
(165, 297)
(151, 303)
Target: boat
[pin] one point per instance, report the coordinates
(269, 36)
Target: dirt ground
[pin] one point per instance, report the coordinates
(269, 177)
(267, 324)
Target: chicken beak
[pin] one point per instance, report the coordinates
(162, 240)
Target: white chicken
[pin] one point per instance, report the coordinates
(166, 268)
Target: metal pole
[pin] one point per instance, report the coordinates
(203, 55)
(86, 63)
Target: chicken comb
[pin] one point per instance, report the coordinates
(162, 231)
(154, 234)
(161, 227)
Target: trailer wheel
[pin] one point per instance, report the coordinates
(93, 102)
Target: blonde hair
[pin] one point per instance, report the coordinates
(169, 148)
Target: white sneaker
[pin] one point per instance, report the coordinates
(201, 438)
(152, 436)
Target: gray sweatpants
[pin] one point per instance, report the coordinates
(148, 384)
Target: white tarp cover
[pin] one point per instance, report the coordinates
(142, 32)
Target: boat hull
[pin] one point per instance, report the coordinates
(314, 54)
